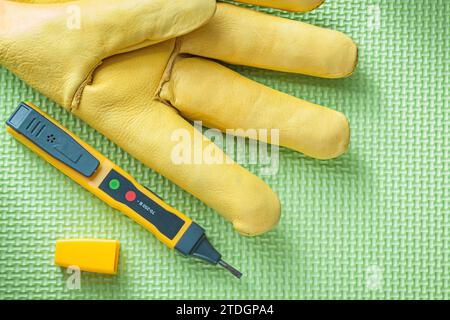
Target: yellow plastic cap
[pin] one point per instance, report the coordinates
(91, 255)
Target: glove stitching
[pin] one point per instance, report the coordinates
(167, 74)
(76, 100)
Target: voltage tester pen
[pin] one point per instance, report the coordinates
(110, 183)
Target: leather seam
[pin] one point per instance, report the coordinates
(76, 100)
(167, 74)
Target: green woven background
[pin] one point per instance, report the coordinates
(372, 224)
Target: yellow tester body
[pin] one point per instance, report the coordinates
(110, 183)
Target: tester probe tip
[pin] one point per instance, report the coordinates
(234, 271)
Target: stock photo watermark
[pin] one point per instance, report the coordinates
(73, 21)
(73, 282)
(246, 147)
(374, 277)
(374, 17)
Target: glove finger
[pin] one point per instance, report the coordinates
(289, 5)
(204, 90)
(55, 50)
(123, 25)
(125, 111)
(245, 37)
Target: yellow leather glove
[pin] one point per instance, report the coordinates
(289, 5)
(138, 98)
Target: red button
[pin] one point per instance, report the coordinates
(130, 196)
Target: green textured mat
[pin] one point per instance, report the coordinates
(372, 224)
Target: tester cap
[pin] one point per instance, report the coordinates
(91, 255)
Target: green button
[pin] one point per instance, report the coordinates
(114, 184)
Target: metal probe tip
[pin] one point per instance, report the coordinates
(233, 271)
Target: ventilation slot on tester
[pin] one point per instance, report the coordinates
(35, 127)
